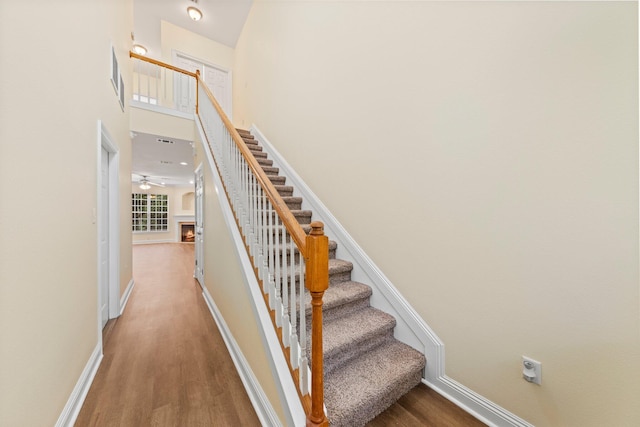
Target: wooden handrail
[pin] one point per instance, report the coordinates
(161, 64)
(289, 221)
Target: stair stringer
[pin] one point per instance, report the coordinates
(411, 328)
(291, 404)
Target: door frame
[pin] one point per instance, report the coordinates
(198, 209)
(229, 101)
(113, 218)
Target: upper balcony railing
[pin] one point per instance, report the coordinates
(163, 87)
(291, 265)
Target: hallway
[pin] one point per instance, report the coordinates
(165, 363)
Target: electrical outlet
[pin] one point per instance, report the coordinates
(531, 370)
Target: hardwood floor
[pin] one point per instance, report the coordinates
(424, 407)
(165, 363)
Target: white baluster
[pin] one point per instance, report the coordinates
(304, 362)
(278, 273)
(285, 290)
(272, 248)
(294, 337)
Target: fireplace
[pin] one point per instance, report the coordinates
(187, 232)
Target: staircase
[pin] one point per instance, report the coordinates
(365, 368)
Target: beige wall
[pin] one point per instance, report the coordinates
(146, 121)
(175, 208)
(224, 281)
(184, 41)
(494, 149)
(55, 86)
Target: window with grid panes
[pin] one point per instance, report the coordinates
(150, 212)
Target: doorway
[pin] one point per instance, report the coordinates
(103, 238)
(217, 78)
(108, 228)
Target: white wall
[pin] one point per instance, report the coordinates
(55, 62)
(485, 155)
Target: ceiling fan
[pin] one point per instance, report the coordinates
(145, 184)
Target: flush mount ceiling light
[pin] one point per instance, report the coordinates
(194, 13)
(145, 186)
(139, 49)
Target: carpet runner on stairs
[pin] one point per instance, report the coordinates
(365, 368)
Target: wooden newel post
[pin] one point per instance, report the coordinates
(317, 282)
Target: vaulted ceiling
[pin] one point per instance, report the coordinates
(222, 20)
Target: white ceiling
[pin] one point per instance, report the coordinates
(222, 22)
(159, 158)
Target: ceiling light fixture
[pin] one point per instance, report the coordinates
(139, 49)
(145, 186)
(194, 13)
(184, 163)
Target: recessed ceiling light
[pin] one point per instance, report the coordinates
(139, 49)
(184, 163)
(194, 13)
(191, 182)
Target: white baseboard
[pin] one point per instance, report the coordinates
(475, 404)
(125, 296)
(153, 242)
(74, 404)
(259, 400)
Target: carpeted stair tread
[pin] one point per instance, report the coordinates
(349, 336)
(259, 154)
(293, 202)
(337, 267)
(339, 300)
(342, 294)
(244, 132)
(284, 190)
(356, 392)
(339, 271)
(249, 141)
(264, 162)
(303, 216)
(277, 179)
(271, 170)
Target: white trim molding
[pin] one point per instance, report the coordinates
(152, 242)
(71, 410)
(107, 142)
(125, 296)
(411, 327)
